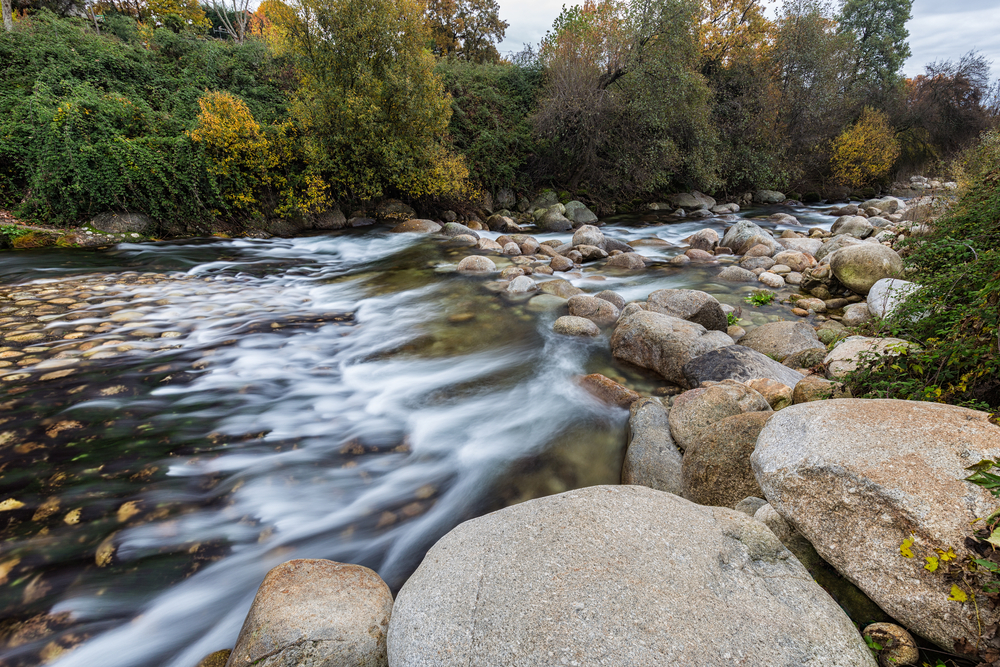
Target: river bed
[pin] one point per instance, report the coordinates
(176, 418)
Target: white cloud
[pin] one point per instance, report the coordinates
(529, 20)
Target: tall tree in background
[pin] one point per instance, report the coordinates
(466, 29)
(880, 47)
(370, 110)
(8, 19)
(730, 28)
(235, 17)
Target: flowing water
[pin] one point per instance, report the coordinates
(176, 418)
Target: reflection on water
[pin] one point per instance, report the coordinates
(211, 409)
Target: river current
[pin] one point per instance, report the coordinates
(200, 411)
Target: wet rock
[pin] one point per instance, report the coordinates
(779, 340)
(697, 409)
(845, 357)
(705, 239)
(895, 471)
(455, 229)
(692, 201)
(744, 235)
(768, 197)
(560, 288)
(477, 264)
(560, 263)
(600, 312)
(489, 245)
(607, 390)
(511, 272)
(611, 297)
(540, 583)
(804, 245)
(716, 463)
(579, 214)
(332, 219)
(652, 458)
(464, 241)
(699, 256)
(570, 325)
(794, 260)
(612, 245)
(663, 343)
(751, 263)
(853, 225)
(777, 395)
(885, 296)
(123, 223)
(772, 280)
(501, 223)
(590, 253)
(860, 267)
(416, 227)
(316, 612)
(393, 210)
(680, 260)
(735, 274)
(529, 246)
(737, 362)
(521, 285)
(360, 221)
(544, 303)
(691, 305)
(588, 235)
(545, 199)
(628, 260)
(217, 659)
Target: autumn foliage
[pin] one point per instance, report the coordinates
(865, 152)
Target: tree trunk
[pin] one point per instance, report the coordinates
(8, 18)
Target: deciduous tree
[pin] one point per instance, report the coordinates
(466, 29)
(878, 28)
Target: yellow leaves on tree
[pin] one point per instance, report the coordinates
(189, 12)
(733, 28)
(240, 156)
(865, 152)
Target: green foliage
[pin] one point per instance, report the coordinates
(955, 317)
(92, 123)
(490, 126)
(732, 319)
(880, 47)
(761, 297)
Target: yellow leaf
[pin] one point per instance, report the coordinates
(904, 548)
(932, 563)
(10, 504)
(957, 594)
(947, 555)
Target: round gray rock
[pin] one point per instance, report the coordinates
(617, 576)
(779, 340)
(690, 305)
(697, 409)
(885, 296)
(571, 325)
(600, 312)
(861, 266)
(737, 362)
(627, 260)
(652, 459)
(588, 235)
(316, 612)
(477, 264)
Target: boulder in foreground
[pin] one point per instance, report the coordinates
(858, 477)
(617, 576)
(316, 612)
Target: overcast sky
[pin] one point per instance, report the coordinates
(939, 29)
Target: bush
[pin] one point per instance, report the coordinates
(956, 315)
(864, 153)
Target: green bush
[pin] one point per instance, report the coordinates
(955, 317)
(491, 105)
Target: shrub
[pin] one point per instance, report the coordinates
(864, 153)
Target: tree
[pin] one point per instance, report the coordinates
(880, 47)
(234, 19)
(864, 153)
(371, 112)
(466, 29)
(185, 13)
(8, 19)
(728, 26)
(624, 110)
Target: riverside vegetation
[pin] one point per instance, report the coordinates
(480, 177)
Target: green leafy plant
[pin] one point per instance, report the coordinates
(732, 319)
(761, 297)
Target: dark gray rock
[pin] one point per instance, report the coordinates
(691, 305)
(652, 458)
(737, 362)
(123, 223)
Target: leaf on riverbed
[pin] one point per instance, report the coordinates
(106, 551)
(10, 504)
(128, 510)
(957, 594)
(73, 516)
(6, 567)
(932, 563)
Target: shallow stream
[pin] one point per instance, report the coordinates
(176, 418)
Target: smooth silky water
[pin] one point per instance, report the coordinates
(240, 403)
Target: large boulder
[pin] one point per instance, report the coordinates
(808, 246)
(737, 362)
(859, 477)
(393, 210)
(417, 226)
(690, 305)
(717, 462)
(123, 223)
(780, 340)
(616, 576)
(704, 239)
(588, 235)
(834, 244)
(632, 261)
(886, 295)
(861, 266)
(571, 325)
(652, 459)
(316, 612)
(886, 205)
(663, 343)
(458, 229)
(476, 264)
(331, 219)
(545, 199)
(844, 358)
(744, 235)
(852, 225)
(697, 409)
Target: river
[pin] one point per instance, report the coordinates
(182, 416)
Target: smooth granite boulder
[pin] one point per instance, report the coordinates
(652, 459)
(737, 362)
